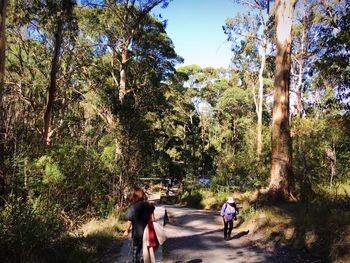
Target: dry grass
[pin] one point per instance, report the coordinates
(325, 236)
(109, 226)
(91, 242)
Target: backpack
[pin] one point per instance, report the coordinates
(229, 212)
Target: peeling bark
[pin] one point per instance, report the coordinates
(280, 136)
(261, 93)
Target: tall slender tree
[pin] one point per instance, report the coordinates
(131, 16)
(253, 27)
(3, 5)
(64, 9)
(261, 80)
(280, 137)
(52, 84)
(301, 57)
(300, 61)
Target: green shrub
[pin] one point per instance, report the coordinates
(247, 213)
(194, 200)
(106, 208)
(25, 230)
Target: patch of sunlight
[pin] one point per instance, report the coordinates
(310, 239)
(108, 226)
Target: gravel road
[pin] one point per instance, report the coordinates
(197, 236)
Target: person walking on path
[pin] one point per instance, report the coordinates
(228, 213)
(138, 215)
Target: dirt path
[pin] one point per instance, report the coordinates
(197, 236)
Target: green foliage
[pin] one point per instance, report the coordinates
(100, 146)
(204, 198)
(106, 208)
(248, 213)
(27, 229)
(107, 157)
(233, 97)
(193, 199)
(74, 187)
(311, 158)
(51, 171)
(333, 62)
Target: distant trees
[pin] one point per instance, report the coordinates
(250, 33)
(226, 144)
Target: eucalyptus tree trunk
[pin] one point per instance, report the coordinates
(300, 87)
(129, 29)
(332, 156)
(261, 85)
(261, 93)
(3, 5)
(301, 63)
(123, 76)
(52, 83)
(281, 140)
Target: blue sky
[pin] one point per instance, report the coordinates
(195, 26)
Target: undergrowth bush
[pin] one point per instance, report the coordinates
(34, 233)
(87, 244)
(25, 230)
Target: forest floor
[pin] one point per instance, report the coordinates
(196, 236)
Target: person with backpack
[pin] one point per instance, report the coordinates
(228, 213)
(138, 216)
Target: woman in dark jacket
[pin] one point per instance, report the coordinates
(138, 214)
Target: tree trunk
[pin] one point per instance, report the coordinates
(331, 154)
(301, 64)
(123, 78)
(3, 5)
(261, 93)
(300, 88)
(129, 33)
(280, 136)
(292, 85)
(52, 85)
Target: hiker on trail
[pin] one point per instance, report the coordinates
(228, 213)
(139, 213)
(167, 184)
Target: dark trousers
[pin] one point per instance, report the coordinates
(228, 226)
(137, 250)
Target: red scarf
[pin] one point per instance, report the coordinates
(153, 242)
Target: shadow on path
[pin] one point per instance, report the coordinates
(240, 234)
